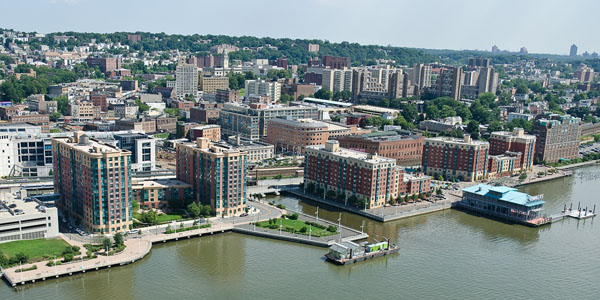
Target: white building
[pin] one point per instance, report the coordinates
(186, 80)
(261, 87)
(7, 158)
(25, 220)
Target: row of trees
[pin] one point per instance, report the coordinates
(16, 90)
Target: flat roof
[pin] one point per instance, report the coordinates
(362, 156)
(323, 101)
(456, 140)
(27, 207)
(91, 145)
(376, 109)
(507, 194)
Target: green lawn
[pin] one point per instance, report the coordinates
(34, 249)
(296, 225)
(164, 135)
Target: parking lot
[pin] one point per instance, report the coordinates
(589, 148)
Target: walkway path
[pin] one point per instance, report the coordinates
(135, 249)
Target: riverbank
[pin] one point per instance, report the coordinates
(137, 247)
(384, 214)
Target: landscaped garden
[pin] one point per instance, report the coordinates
(11, 253)
(291, 223)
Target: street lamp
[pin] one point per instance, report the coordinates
(340, 226)
(317, 213)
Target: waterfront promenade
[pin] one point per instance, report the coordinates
(135, 249)
(344, 233)
(137, 246)
(389, 213)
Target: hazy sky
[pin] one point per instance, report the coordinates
(543, 26)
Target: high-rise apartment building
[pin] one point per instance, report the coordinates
(351, 173)
(452, 158)
(262, 87)
(558, 138)
(216, 173)
(449, 82)
(421, 76)
(337, 80)
(94, 183)
(573, 50)
(186, 80)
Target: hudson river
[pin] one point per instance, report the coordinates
(444, 255)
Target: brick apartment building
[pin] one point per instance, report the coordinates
(217, 175)
(351, 173)
(452, 158)
(558, 138)
(405, 149)
(516, 141)
(93, 180)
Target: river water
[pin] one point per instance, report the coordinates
(448, 254)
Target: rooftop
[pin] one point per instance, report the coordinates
(458, 141)
(507, 194)
(90, 145)
(357, 155)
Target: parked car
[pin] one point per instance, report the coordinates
(244, 215)
(133, 231)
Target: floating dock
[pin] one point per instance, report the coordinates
(580, 213)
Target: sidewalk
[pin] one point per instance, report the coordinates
(135, 249)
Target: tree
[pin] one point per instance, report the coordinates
(447, 111)
(135, 206)
(310, 187)
(206, 210)
(142, 106)
(8, 92)
(495, 126)
(523, 176)
(62, 103)
(441, 178)
(285, 98)
(195, 209)
(432, 112)
(439, 191)
(150, 217)
(323, 94)
(106, 242)
(473, 129)
(118, 237)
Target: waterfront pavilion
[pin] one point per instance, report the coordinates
(504, 202)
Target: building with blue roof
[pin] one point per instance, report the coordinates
(505, 203)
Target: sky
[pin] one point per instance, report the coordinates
(542, 26)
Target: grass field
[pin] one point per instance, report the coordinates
(34, 249)
(296, 225)
(176, 215)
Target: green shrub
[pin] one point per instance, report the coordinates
(331, 228)
(68, 257)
